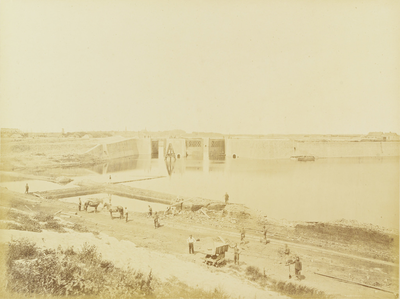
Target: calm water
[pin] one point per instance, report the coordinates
(364, 189)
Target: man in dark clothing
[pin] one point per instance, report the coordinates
(155, 220)
(298, 266)
(80, 204)
(150, 211)
(126, 214)
(226, 198)
(26, 188)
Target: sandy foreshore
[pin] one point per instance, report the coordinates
(164, 250)
(353, 257)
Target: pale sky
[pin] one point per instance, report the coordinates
(248, 66)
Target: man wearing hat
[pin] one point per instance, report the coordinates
(298, 266)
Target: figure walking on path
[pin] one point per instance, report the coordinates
(126, 213)
(80, 204)
(265, 231)
(150, 212)
(26, 188)
(191, 242)
(226, 198)
(156, 220)
(242, 234)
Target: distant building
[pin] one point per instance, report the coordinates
(374, 136)
(391, 136)
(380, 136)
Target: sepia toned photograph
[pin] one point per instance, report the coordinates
(199, 149)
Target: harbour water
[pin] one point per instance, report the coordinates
(362, 189)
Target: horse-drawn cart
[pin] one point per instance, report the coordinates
(215, 253)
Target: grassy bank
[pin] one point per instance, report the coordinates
(84, 273)
(288, 288)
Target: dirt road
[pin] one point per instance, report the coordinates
(171, 239)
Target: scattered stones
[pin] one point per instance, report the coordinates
(63, 180)
(216, 206)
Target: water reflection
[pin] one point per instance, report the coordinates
(118, 165)
(217, 157)
(365, 189)
(170, 164)
(222, 164)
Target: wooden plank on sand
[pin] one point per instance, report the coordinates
(353, 282)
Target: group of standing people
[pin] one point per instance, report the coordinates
(236, 248)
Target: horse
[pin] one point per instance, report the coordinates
(114, 209)
(92, 203)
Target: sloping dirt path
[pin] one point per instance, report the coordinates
(171, 239)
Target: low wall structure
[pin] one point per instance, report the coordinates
(121, 149)
(282, 149)
(259, 148)
(251, 148)
(348, 149)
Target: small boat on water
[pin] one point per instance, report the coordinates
(303, 158)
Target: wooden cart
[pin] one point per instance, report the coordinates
(215, 256)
